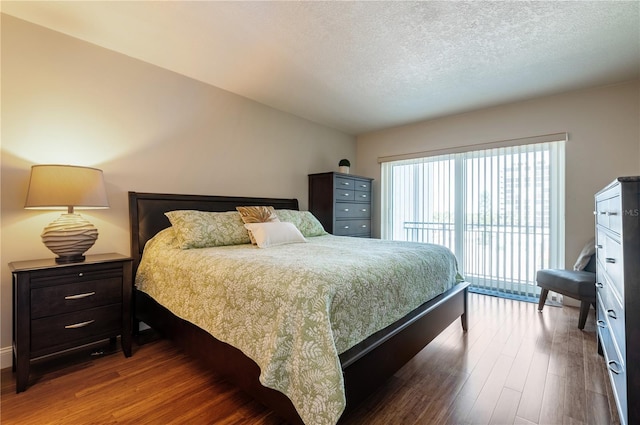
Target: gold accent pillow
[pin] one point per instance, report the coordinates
(258, 214)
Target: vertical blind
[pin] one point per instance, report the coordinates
(499, 209)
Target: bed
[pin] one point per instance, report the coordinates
(363, 365)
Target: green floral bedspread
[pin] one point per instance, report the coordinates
(294, 308)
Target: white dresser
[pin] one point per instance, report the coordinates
(618, 290)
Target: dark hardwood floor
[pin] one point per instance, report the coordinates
(514, 366)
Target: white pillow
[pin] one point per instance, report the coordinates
(585, 255)
(275, 233)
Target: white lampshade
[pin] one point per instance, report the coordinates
(56, 186)
(67, 186)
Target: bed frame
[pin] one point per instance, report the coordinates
(365, 366)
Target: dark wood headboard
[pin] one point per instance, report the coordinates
(146, 212)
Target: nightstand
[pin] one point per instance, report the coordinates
(57, 307)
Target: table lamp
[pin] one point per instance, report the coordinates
(67, 186)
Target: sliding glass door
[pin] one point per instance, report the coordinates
(499, 210)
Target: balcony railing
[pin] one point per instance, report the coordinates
(430, 232)
(496, 257)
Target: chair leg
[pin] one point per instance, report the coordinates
(584, 312)
(543, 298)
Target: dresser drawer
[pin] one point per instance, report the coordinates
(344, 195)
(609, 214)
(610, 260)
(601, 213)
(362, 185)
(352, 227)
(614, 211)
(362, 196)
(613, 314)
(615, 365)
(49, 334)
(609, 210)
(347, 189)
(613, 263)
(352, 210)
(52, 300)
(344, 183)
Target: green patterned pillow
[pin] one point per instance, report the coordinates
(200, 229)
(306, 222)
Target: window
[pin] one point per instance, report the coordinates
(500, 210)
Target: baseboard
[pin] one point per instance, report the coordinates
(6, 358)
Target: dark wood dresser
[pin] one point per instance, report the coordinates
(57, 307)
(342, 203)
(618, 290)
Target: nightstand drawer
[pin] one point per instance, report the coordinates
(352, 210)
(76, 274)
(54, 333)
(352, 227)
(52, 300)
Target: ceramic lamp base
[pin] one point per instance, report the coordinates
(69, 236)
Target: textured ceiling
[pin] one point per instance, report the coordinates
(362, 66)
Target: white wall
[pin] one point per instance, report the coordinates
(148, 129)
(604, 142)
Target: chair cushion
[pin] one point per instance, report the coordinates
(575, 284)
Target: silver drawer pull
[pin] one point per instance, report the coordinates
(346, 210)
(612, 314)
(601, 324)
(345, 194)
(345, 183)
(79, 325)
(364, 226)
(346, 227)
(79, 296)
(610, 260)
(598, 246)
(364, 210)
(363, 196)
(364, 186)
(599, 285)
(80, 274)
(603, 213)
(612, 213)
(614, 367)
